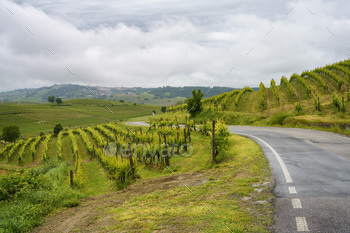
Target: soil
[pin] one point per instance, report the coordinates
(86, 217)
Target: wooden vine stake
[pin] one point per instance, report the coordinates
(130, 159)
(213, 142)
(166, 152)
(185, 146)
(71, 178)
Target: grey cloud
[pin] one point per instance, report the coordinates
(155, 43)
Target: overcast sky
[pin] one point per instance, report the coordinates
(233, 43)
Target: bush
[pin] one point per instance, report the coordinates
(57, 129)
(221, 140)
(275, 91)
(278, 118)
(262, 101)
(10, 133)
(26, 198)
(298, 107)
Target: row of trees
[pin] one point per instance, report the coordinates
(52, 99)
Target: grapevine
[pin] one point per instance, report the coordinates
(330, 74)
(240, 94)
(290, 88)
(316, 77)
(302, 81)
(21, 151)
(275, 91)
(46, 147)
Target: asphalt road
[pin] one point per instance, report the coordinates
(312, 176)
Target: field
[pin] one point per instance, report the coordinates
(36, 118)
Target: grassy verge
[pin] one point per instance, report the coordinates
(236, 194)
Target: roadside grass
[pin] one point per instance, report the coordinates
(236, 194)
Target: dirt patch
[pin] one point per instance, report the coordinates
(86, 217)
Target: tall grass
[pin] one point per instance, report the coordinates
(26, 198)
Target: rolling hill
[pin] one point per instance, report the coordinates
(319, 97)
(162, 96)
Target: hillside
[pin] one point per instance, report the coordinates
(162, 96)
(315, 98)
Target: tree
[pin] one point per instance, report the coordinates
(163, 109)
(57, 129)
(59, 101)
(154, 112)
(10, 133)
(194, 104)
(51, 99)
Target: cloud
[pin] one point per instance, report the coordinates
(167, 43)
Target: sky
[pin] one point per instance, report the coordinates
(137, 43)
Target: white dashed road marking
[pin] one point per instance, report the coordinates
(300, 221)
(301, 224)
(292, 190)
(296, 203)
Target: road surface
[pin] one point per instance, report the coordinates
(312, 176)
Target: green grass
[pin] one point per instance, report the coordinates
(38, 192)
(33, 119)
(228, 190)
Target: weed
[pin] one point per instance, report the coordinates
(278, 118)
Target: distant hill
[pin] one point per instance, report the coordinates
(156, 96)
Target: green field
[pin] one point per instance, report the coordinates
(36, 118)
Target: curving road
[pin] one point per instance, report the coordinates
(312, 175)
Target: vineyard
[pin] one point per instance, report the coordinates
(119, 149)
(322, 92)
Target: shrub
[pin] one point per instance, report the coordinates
(262, 101)
(10, 133)
(317, 103)
(298, 107)
(278, 118)
(57, 129)
(275, 91)
(338, 103)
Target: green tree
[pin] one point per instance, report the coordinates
(194, 104)
(163, 109)
(57, 129)
(51, 99)
(59, 101)
(10, 133)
